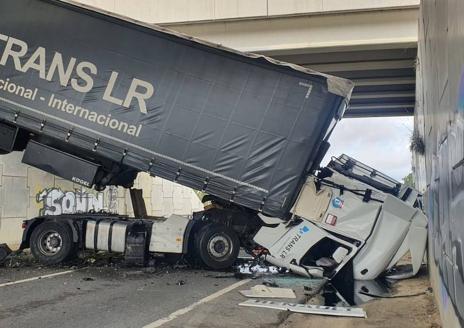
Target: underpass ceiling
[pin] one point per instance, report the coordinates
(384, 78)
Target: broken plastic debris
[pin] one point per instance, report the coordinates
(261, 291)
(400, 272)
(308, 309)
(257, 270)
(295, 282)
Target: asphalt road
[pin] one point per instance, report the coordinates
(121, 298)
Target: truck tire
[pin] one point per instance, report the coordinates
(52, 243)
(217, 246)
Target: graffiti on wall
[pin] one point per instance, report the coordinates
(55, 201)
(461, 93)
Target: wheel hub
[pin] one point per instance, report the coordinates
(50, 243)
(54, 242)
(219, 246)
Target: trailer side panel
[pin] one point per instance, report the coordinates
(241, 127)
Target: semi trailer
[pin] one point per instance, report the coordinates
(97, 98)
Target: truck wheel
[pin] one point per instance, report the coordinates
(52, 243)
(217, 246)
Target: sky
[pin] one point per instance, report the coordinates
(382, 143)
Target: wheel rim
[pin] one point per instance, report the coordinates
(50, 243)
(220, 246)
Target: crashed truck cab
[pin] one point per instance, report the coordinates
(348, 212)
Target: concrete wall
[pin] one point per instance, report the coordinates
(275, 27)
(175, 11)
(26, 192)
(300, 34)
(440, 171)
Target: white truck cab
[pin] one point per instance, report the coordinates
(348, 212)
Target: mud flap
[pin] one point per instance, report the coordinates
(7, 138)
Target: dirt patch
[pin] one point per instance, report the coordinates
(412, 312)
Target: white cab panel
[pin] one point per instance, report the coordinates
(167, 234)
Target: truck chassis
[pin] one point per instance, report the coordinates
(348, 213)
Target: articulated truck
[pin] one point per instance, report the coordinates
(97, 98)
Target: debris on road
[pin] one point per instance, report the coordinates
(91, 260)
(308, 309)
(270, 283)
(88, 279)
(132, 273)
(4, 252)
(220, 276)
(295, 281)
(261, 291)
(180, 283)
(254, 270)
(400, 272)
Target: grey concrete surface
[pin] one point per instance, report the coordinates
(107, 297)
